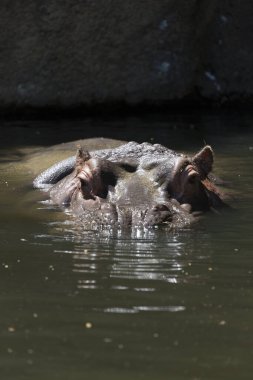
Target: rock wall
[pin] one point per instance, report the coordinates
(59, 53)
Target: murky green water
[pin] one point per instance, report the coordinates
(150, 304)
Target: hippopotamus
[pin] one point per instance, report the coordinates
(134, 184)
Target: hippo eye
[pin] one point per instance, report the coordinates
(192, 179)
(84, 184)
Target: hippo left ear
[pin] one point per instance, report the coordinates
(204, 160)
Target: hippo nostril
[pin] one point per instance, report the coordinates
(158, 214)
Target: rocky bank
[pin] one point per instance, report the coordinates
(77, 53)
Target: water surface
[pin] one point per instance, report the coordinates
(126, 304)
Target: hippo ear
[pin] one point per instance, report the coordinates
(204, 160)
(81, 156)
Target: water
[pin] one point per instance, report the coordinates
(113, 304)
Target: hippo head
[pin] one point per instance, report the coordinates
(150, 190)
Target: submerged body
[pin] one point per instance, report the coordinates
(133, 184)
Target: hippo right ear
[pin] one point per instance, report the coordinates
(81, 156)
(204, 160)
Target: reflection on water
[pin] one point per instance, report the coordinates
(128, 303)
(129, 254)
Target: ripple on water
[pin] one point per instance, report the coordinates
(138, 309)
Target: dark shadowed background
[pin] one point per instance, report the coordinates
(62, 54)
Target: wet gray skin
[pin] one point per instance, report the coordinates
(134, 184)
